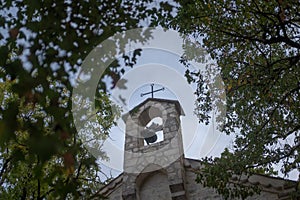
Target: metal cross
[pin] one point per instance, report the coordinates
(152, 91)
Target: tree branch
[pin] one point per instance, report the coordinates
(4, 168)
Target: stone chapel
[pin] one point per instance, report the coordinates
(159, 170)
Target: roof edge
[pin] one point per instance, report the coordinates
(176, 102)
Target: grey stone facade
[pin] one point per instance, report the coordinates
(160, 171)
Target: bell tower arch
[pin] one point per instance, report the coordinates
(143, 150)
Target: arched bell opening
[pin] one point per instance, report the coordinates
(151, 122)
(154, 129)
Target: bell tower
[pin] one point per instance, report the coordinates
(146, 153)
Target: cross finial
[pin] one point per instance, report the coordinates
(152, 91)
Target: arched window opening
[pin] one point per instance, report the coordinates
(153, 131)
(155, 186)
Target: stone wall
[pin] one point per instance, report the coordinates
(167, 154)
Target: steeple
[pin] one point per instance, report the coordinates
(144, 157)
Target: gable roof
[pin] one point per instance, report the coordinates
(177, 105)
(282, 187)
(277, 185)
(112, 185)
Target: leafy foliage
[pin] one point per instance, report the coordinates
(42, 45)
(256, 45)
